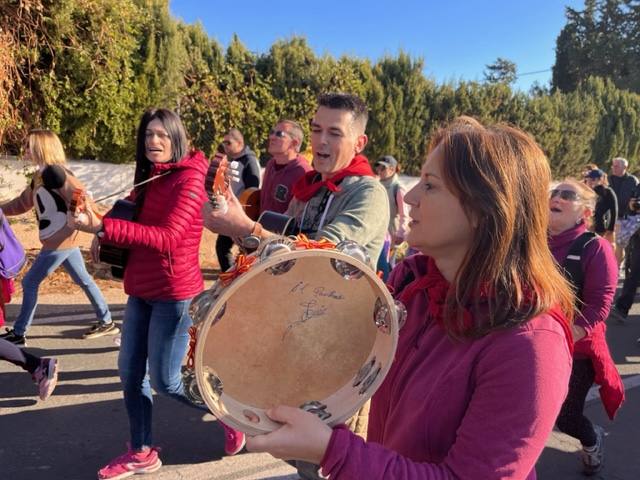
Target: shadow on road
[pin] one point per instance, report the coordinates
(73, 442)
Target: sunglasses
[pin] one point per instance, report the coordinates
(568, 195)
(279, 133)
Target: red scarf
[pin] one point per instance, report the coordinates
(307, 186)
(437, 287)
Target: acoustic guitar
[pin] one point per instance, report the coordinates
(112, 255)
(216, 182)
(250, 201)
(124, 209)
(78, 201)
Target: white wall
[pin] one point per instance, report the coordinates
(100, 178)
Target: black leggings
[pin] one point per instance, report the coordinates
(13, 354)
(571, 419)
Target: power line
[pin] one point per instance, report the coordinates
(533, 73)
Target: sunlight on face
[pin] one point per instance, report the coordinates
(566, 211)
(334, 141)
(439, 226)
(157, 142)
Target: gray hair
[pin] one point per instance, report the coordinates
(296, 131)
(620, 159)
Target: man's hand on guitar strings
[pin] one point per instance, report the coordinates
(232, 222)
(220, 203)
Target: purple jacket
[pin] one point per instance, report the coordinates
(474, 409)
(601, 274)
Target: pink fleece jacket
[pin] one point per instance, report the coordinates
(476, 409)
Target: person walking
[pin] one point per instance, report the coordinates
(387, 170)
(161, 277)
(50, 193)
(589, 264)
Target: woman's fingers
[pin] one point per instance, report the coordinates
(303, 436)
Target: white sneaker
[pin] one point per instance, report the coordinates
(593, 457)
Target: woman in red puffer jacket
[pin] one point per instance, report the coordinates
(161, 277)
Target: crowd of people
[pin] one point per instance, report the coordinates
(496, 349)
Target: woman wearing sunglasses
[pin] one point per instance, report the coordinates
(484, 357)
(590, 265)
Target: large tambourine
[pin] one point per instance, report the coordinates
(299, 323)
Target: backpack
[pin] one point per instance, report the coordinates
(572, 264)
(12, 256)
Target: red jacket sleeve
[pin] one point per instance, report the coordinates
(182, 210)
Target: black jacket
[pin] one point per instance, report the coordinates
(606, 211)
(624, 188)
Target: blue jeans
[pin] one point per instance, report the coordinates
(45, 263)
(155, 337)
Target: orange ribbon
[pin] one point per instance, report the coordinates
(193, 339)
(302, 241)
(243, 264)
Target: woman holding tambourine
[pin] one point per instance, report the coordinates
(161, 277)
(484, 357)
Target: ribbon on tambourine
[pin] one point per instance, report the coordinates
(302, 241)
(193, 339)
(243, 264)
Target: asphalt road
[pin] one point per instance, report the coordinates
(83, 425)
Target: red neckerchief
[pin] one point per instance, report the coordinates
(307, 186)
(437, 288)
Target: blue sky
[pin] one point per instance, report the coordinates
(455, 38)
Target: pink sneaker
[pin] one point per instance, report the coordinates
(233, 440)
(46, 377)
(131, 463)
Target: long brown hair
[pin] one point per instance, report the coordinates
(501, 178)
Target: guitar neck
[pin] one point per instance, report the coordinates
(78, 200)
(216, 181)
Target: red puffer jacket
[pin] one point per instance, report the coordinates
(164, 241)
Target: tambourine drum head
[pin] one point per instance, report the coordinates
(298, 336)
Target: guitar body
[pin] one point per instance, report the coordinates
(110, 254)
(250, 201)
(278, 223)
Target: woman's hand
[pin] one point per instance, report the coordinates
(303, 436)
(82, 221)
(95, 249)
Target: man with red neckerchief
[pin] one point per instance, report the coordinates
(340, 199)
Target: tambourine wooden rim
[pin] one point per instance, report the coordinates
(338, 406)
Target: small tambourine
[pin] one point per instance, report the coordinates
(313, 328)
